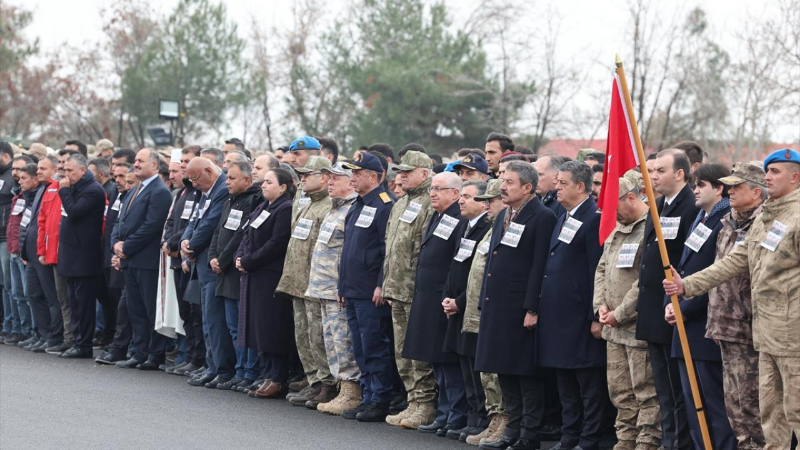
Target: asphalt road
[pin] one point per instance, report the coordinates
(50, 403)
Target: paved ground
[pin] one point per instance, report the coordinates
(50, 403)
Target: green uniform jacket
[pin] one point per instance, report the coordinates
(472, 315)
(294, 280)
(618, 288)
(403, 241)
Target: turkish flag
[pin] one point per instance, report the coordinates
(621, 157)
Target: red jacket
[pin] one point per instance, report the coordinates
(49, 220)
(12, 228)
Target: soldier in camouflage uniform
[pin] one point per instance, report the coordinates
(730, 312)
(472, 317)
(294, 282)
(630, 375)
(403, 240)
(771, 254)
(322, 287)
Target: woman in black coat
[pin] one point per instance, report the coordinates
(266, 321)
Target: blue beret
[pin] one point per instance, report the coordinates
(782, 155)
(304, 143)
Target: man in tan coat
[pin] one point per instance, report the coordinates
(771, 254)
(630, 377)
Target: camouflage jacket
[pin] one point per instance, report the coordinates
(618, 287)
(774, 275)
(300, 201)
(403, 242)
(324, 276)
(472, 315)
(294, 280)
(730, 310)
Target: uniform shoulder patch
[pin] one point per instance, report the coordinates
(385, 197)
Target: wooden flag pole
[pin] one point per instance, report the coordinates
(687, 355)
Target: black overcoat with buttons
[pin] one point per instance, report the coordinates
(512, 286)
(427, 324)
(650, 323)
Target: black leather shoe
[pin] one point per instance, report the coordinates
(352, 414)
(228, 385)
(550, 433)
(41, 347)
(526, 444)
(148, 365)
(442, 432)
(201, 380)
(216, 382)
(431, 427)
(57, 349)
(129, 364)
(77, 353)
(185, 370)
(33, 344)
(373, 413)
(28, 341)
(254, 386)
(12, 339)
(172, 368)
(110, 357)
(242, 385)
(455, 434)
(504, 443)
(560, 446)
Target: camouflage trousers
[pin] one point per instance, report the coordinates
(633, 392)
(338, 342)
(417, 376)
(494, 396)
(779, 399)
(309, 340)
(740, 384)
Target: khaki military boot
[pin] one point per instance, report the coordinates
(424, 414)
(349, 398)
(502, 421)
(395, 419)
(476, 439)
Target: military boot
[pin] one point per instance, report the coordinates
(326, 394)
(499, 432)
(423, 415)
(302, 397)
(349, 398)
(395, 419)
(476, 439)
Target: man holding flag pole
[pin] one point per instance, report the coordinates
(625, 152)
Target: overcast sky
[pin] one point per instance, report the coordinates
(588, 28)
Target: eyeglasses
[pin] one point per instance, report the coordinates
(193, 179)
(439, 189)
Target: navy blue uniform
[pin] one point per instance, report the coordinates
(360, 272)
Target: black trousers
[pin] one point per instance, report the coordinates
(674, 425)
(141, 286)
(192, 317)
(109, 303)
(709, 380)
(277, 366)
(44, 302)
(82, 294)
(122, 337)
(524, 398)
(583, 394)
(476, 398)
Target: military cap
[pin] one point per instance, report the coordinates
(103, 144)
(635, 177)
(314, 164)
(743, 172)
(414, 160)
(583, 152)
(338, 169)
(492, 190)
(305, 143)
(474, 162)
(365, 160)
(782, 155)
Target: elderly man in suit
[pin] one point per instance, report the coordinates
(509, 305)
(81, 249)
(220, 354)
(569, 333)
(136, 238)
